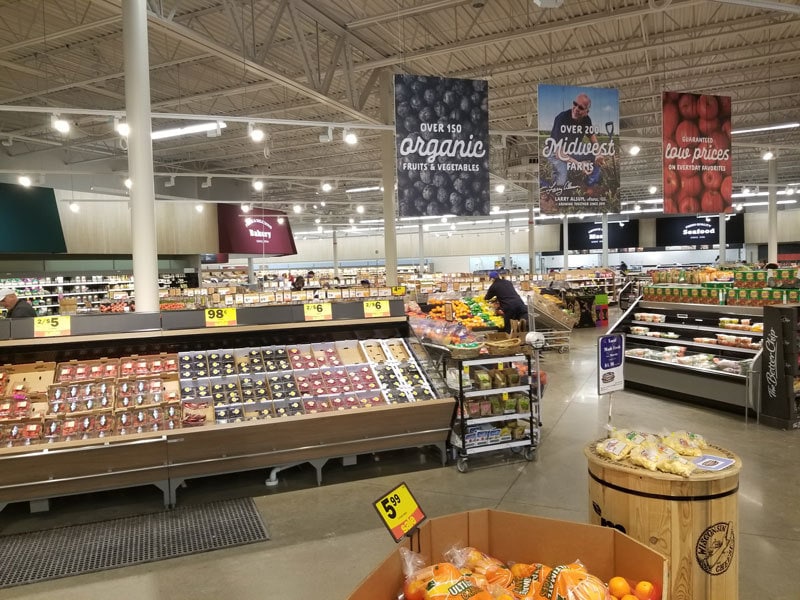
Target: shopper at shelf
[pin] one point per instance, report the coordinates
(503, 292)
(623, 268)
(17, 308)
(298, 283)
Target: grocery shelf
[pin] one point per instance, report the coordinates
(493, 391)
(662, 363)
(497, 446)
(698, 328)
(495, 418)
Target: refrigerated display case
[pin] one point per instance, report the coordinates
(780, 378)
(692, 352)
(406, 410)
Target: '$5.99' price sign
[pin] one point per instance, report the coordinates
(399, 511)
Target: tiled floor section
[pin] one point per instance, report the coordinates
(325, 539)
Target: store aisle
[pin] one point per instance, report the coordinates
(325, 539)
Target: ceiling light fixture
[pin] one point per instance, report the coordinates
(74, 207)
(369, 188)
(128, 183)
(326, 137)
(634, 150)
(281, 220)
(170, 182)
(360, 209)
(768, 155)
(245, 207)
(322, 204)
(326, 187)
(349, 137)
(121, 127)
(198, 207)
(745, 190)
(297, 209)
(212, 128)
(351, 220)
(778, 127)
(256, 133)
(59, 124)
(258, 185)
(24, 181)
(500, 188)
(206, 184)
(317, 220)
(652, 189)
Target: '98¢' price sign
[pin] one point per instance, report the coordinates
(399, 511)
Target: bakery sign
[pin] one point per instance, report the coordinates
(262, 232)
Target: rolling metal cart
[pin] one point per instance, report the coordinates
(554, 325)
(509, 424)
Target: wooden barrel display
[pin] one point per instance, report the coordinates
(693, 521)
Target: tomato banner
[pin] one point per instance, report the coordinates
(697, 155)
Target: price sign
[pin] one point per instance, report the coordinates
(55, 326)
(320, 311)
(220, 317)
(398, 290)
(399, 511)
(376, 308)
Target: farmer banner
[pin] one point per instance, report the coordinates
(578, 146)
(442, 137)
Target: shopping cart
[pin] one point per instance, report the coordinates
(553, 324)
(556, 339)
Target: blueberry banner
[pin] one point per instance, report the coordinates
(578, 149)
(696, 132)
(442, 137)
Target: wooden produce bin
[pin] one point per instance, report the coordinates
(215, 449)
(692, 520)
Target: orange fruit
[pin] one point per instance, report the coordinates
(619, 587)
(645, 591)
(629, 597)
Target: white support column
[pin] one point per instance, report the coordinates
(604, 226)
(723, 241)
(772, 213)
(532, 267)
(251, 270)
(335, 242)
(565, 228)
(507, 261)
(421, 232)
(388, 173)
(140, 156)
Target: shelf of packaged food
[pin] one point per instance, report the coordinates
(686, 327)
(469, 450)
(494, 360)
(692, 344)
(493, 391)
(496, 418)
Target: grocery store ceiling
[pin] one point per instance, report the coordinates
(320, 63)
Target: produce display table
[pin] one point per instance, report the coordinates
(693, 521)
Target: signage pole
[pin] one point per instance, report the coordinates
(335, 253)
(565, 227)
(604, 225)
(508, 243)
(532, 269)
(421, 248)
(723, 244)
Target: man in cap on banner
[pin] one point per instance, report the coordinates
(16, 308)
(511, 304)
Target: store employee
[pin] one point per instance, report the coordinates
(511, 304)
(17, 308)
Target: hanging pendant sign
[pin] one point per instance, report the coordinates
(376, 308)
(399, 511)
(220, 317)
(319, 311)
(55, 326)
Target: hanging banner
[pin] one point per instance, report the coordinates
(697, 157)
(578, 143)
(442, 139)
(260, 231)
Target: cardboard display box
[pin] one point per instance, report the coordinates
(521, 538)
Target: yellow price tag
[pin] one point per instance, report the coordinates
(220, 317)
(398, 290)
(376, 308)
(320, 311)
(55, 326)
(399, 511)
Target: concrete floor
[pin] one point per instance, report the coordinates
(324, 540)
